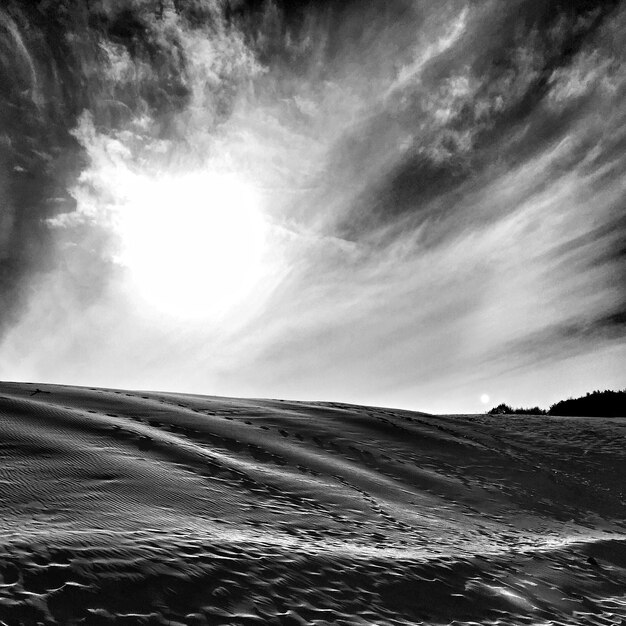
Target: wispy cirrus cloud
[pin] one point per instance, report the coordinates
(439, 192)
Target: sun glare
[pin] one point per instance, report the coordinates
(193, 244)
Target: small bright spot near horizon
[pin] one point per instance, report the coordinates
(484, 398)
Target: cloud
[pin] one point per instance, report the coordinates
(439, 189)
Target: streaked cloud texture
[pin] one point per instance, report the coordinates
(401, 203)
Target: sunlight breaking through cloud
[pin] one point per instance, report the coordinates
(372, 205)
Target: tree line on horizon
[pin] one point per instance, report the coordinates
(594, 404)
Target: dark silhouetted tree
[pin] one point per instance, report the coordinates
(501, 409)
(505, 409)
(596, 404)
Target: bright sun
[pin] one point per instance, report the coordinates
(484, 398)
(193, 244)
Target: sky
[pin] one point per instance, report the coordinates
(402, 203)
